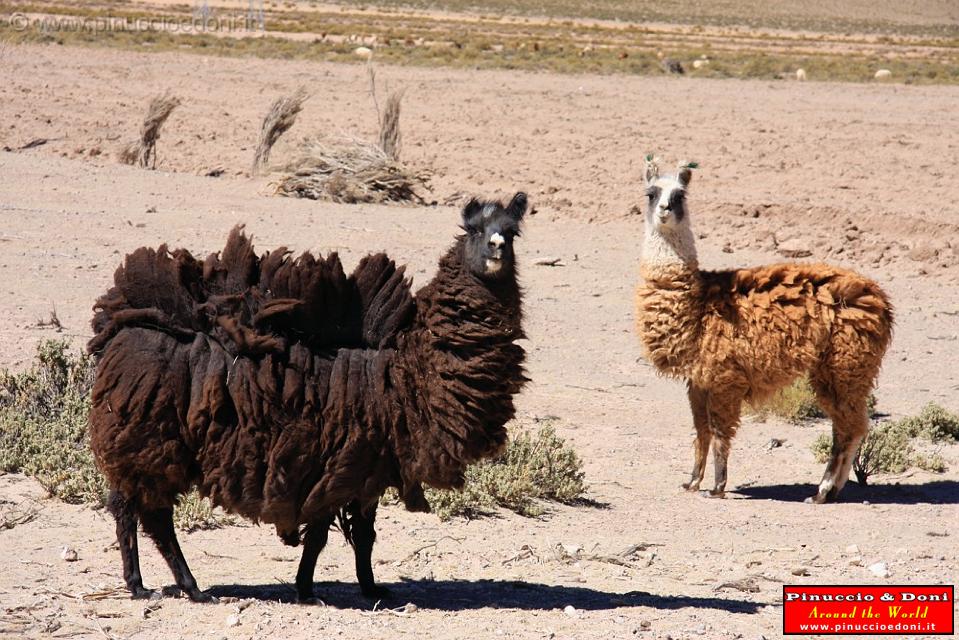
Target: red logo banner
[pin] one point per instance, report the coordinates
(868, 610)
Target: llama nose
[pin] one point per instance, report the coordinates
(496, 241)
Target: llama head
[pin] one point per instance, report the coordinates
(666, 209)
(491, 229)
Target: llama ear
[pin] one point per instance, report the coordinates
(686, 173)
(652, 169)
(470, 211)
(517, 206)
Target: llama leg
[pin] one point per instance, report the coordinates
(697, 402)
(849, 425)
(363, 535)
(124, 513)
(723, 411)
(158, 524)
(313, 542)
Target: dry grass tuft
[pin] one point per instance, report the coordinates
(143, 152)
(43, 434)
(278, 121)
(390, 138)
(350, 170)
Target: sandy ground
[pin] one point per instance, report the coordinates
(786, 169)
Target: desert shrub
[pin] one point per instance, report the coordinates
(533, 468)
(821, 447)
(43, 433)
(43, 424)
(930, 462)
(796, 404)
(193, 513)
(933, 423)
(888, 448)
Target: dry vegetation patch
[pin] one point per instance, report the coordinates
(278, 121)
(142, 152)
(796, 404)
(43, 434)
(921, 54)
(891, 447)
(352, 170)
(535, 467)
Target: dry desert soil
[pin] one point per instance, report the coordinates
(860, 175)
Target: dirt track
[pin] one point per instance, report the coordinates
(795, 160)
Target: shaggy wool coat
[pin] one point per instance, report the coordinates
(284, 389)
(757, 329)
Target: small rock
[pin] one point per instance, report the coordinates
(923, 252)
(880, 570)
(571, 611)
(855, 561)
(799, 571)
(233, 620)
(774, 443)
(852, 550)
(69, 554)
(363, 52)
(409, 607)
(794, 249)
(883, 74)
(571, 550)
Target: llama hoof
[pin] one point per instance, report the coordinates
(716, 493)
(376, 592)
(198, 596)
(820, 498)
(310, 600)
(142, 593)
(692, 487)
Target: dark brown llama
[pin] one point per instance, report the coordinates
(294, 395)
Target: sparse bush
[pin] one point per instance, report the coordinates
(933, 423)
(885, 450)
(533, 468)
(43, 433)
(888, 447)
(821, 448)
(930, 462)
(193, 513)
(797, 403)
(43, 424)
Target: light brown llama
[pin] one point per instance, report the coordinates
(744, 334)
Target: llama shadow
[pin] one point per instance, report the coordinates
(936, 492)
(464, 595)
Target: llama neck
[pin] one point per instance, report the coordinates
(669, 301)
(669, 248)
(462, 360)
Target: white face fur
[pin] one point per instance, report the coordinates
(669, 237)
(666, 203)
(496, 242)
